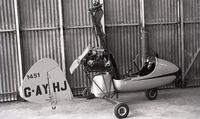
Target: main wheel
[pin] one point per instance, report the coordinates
(151, 94)
(121, 110)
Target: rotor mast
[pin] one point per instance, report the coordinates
(144, 34)
(97, 15)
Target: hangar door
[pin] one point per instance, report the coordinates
(29, 30)
(123, 20)
(10, 51)
(173, 32)
(191, 34)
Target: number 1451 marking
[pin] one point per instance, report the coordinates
(34, 75)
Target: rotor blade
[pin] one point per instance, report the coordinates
(77, 61)
(74, 65)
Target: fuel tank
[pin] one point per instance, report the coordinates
(102, 85)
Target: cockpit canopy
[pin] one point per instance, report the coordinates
(148, 66)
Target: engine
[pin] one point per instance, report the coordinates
(97, 60)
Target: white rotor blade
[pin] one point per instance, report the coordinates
(77, 61)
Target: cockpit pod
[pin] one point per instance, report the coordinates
(155, 73)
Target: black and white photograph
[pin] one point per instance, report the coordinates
(99, 59)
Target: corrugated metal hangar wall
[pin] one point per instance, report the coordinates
(61, 29)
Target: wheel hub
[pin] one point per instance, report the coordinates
(122, 111)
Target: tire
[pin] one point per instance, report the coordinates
(121, 110)
(151, 94)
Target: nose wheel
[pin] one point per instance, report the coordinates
(121, 110)
(151, 94)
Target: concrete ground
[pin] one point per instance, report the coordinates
(170, 104)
